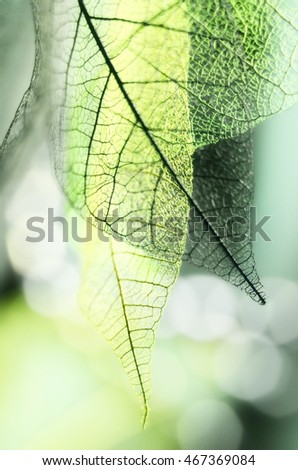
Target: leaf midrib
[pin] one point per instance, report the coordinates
(123, 304)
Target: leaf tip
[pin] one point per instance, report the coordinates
(262, 299)
(259, 296)
(144, 417)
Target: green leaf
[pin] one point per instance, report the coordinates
(128, 147)
(243, 69)
(143, 87)
(128, 140)
(219, 234)
(132, 76)
(123, 294)
(244, 64)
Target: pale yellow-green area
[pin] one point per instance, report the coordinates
(129, 141)
(123, 294)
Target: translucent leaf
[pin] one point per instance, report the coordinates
(244, 64)
(139, 79)
(220, 232)
(30, 115)
(243, 69)
(124, 293)
(145, 83)
(126, 153)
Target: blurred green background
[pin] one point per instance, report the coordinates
(225, 371)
